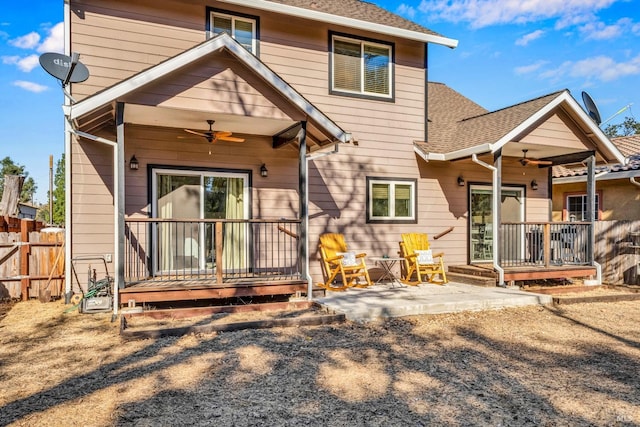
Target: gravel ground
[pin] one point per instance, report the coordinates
(536, 366)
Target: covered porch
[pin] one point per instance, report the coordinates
(505, 159)
(189, 220)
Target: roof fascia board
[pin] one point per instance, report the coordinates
(183, 59)
(454, 155)
(609, 176)
(342, 20)
(575, 107)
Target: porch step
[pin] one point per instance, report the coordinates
(472, 270)
(471, 279)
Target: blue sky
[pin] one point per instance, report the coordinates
(510, 51)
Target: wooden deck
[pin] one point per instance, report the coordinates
(151, 291)
(485, 272)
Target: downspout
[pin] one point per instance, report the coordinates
(633, 181)
(68, 273)
(303, 185)
(495, 206)
(305, 208)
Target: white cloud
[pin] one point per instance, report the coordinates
(28, 41)
(25, 64)
(54, 41)
(527, 69)
(30, 86)
(12, 60)
(482, 13)
(406, 10)
(524, 40)
(601, 68)
(600, 31)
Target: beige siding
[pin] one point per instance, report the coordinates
(92, 200)
(558, 130)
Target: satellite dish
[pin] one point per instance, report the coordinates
(592, 110)
(64, 68)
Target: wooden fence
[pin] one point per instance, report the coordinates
(618, 252)
(31, 260)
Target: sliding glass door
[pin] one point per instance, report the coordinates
(481, 221)
(189, 196)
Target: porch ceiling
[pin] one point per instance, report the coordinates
(195, 119)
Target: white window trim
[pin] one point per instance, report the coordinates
(235, 18)
(392, 200)
(362, 67)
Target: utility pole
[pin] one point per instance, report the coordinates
(51, 189)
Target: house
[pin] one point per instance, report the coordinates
(214, 141)
(617, 187)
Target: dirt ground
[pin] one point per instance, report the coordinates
(537, 366)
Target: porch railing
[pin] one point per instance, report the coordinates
(545, 244)
(215, 250)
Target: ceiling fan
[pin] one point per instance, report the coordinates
(214, 136)
(524, 161)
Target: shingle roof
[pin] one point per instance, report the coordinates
(628, 145)
(361, 10)
(455, 122)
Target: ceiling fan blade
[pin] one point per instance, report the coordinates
(204, 135)
(540, 162)
(229, 138)
(221, 133)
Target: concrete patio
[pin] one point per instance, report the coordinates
(384, 300)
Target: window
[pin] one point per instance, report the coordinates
(576, 207)
(242, 29)
(391, 200)
(361, 68)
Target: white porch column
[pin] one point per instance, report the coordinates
(118, 208)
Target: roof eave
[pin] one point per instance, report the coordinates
(453, 155)
(564, 97)
(347, 22)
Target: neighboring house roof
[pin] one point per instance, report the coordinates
(458, 127)
(351, 13)
(223, 41)
(628, 145)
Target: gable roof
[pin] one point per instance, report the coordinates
(223, 41)
(628, 145)
(458, 127)
(358, 14)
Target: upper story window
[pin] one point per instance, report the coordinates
(576, 207)
(391, 200)
(361, 67)
(242, 28)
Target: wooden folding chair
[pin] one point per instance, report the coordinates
(340, 263)
(419, 259)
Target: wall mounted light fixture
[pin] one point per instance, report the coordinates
(534, 185)
(133, 163)
(460, 181)
(264, 172)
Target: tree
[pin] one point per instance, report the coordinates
(58, 193)
(629, 126)
(9, 167)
